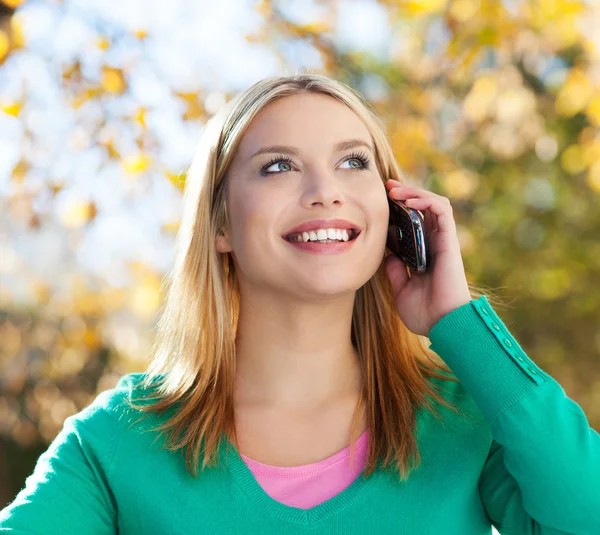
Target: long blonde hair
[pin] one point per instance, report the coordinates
(192, 367)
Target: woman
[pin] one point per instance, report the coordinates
(293, 349)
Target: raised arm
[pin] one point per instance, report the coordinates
(542, 473)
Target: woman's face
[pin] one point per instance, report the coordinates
(266, 199)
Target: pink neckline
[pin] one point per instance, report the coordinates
(306, 469)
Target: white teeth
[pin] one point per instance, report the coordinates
(323, 235)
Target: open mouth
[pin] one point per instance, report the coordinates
(298, 237)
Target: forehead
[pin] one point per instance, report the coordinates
(303, 120)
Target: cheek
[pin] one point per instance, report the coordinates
(253, 228)
(375, 205)
(376, 210)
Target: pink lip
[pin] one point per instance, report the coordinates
(324, 248)
(315, 224)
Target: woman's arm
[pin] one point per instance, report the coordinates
(542, 474)
(68, 491)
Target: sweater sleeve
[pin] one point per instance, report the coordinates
(542, 472)
(68, 491)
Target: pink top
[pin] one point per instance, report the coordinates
(311, 484)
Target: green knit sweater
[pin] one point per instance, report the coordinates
(524, 459)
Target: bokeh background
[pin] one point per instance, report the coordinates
(493, 104)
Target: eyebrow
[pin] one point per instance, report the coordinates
(286, 149)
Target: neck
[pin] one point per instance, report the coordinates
(296, 355)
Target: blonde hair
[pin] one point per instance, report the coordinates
(192, 367)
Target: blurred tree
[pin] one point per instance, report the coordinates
(493, 104)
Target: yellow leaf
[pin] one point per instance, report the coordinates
(463, 10)
(16, 27)
(264, 8)
(79, 214)
(136, 163)
(572, 160)
(140, 117)
(109, 145)
(103, 43)
(478, 103)
(316, 27)
(13, 4)
(194, 109)
(72, 71)
(575, 94)
(594, 176)
(591, 152)
(4, 44)
(55, 187)
(593, 110)
(566, 32)
(113, 80)
(551, 10)
(177, 180)
(172, 227)
(424, 7)
(19, 171)
(14, 108)
(83, 96)
(145, 297)
(91, 339)
(460, 184)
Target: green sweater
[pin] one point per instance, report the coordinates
(525, 460)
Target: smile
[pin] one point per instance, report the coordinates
(323, 235)
(326, 246)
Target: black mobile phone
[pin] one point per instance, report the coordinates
(406, 236)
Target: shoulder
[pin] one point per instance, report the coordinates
(112, 399)
(110, 406)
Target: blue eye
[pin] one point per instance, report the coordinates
(360, 157)
(277, 159)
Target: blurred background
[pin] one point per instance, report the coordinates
(493, 104)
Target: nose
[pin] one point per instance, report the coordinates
(322, 187)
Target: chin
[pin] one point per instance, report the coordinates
(325, 290)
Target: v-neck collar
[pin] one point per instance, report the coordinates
(292, 515)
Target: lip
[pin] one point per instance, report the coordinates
(315, 224)
(324, 248)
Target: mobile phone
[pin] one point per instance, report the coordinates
(406, 236)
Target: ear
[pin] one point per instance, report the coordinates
(223, 243)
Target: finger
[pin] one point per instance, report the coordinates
(407, 192)
(391, 183)
(395, 184)
(440, 207)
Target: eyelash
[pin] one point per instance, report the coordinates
(360, 156)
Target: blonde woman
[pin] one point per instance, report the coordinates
(292, 388)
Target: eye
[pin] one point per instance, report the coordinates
(359, 161)
(361, 158)
(285, 160)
